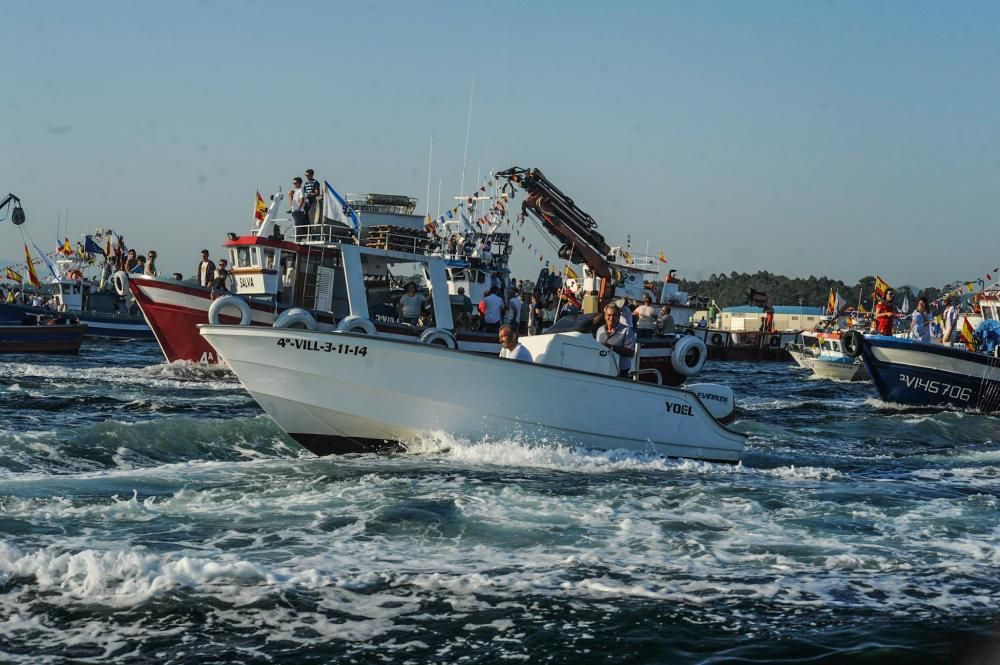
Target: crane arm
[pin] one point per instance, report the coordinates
(561, 217)
(17, 214)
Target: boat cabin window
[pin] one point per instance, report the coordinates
(243, 257)
(825, 345)
(268, 258)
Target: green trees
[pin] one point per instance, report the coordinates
(729, 290)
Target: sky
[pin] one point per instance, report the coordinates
(824, 138)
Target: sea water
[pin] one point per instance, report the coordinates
(152, 512)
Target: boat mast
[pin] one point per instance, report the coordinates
(468, 125)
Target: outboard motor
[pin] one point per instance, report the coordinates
(718, 399)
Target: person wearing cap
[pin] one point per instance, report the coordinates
(206, 270)
(313, 193)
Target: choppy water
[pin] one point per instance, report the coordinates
(151, 512)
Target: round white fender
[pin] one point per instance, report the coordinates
(688, 356)
(358, 325)
(219, 304)
(120, 281)
(440, 337)
(296, 317)
(718, 399)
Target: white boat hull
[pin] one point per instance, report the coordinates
(341, 393)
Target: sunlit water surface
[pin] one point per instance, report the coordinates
(152, 512)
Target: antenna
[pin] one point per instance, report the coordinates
(430, 159)
(468, 125)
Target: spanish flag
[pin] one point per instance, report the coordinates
(881, 286)
(260, 209)
(571, 273)
(32, 277)
(967, 334)
(430, 225)
(13, 275)
(662, 257)
(66, 249)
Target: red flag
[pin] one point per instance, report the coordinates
(32, 277)
(259, 210)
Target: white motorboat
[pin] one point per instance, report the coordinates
(821, 352)
(340, 392)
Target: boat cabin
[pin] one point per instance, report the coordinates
(322, 268)
(75, 293)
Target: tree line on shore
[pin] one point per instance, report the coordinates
(731, 290)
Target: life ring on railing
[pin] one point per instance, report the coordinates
(358, 325)
(775, 341)
(219, 304)
(688, 356)
(120, 280)
(716, 339)
(296, 317)
(75, 274)
(851, 342)
(439, 337)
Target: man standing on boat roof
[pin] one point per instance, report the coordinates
(313, 193)
(297, 202)
(618, 337)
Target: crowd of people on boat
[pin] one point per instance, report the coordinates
(923, 324)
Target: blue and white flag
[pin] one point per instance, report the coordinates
(46, 260)
(91, 247)
(335, 209)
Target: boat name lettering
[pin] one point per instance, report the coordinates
(246, 282)
(683, 409)
(937, 387)
(326, 347)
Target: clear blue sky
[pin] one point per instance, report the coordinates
(837, 138)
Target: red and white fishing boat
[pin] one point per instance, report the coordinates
(327, 277)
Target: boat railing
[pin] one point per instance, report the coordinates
(398, 239)
(321, 234)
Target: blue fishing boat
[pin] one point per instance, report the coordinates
(905, 371)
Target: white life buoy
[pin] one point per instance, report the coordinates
(688, 356)
(296, 317)
(120, 280)
(219, 304)
(439, 337)
(357, 325)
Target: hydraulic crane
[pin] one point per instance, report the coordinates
(577, 230)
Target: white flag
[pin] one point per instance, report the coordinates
(335, 209)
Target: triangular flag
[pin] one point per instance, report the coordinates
(32, 277)
(335, 209)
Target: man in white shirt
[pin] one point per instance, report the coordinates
(510, 348)
(297, 201)
(646, 318)
(514, 310)
(618, 337)
(494, 311)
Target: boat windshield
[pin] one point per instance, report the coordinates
(582, 323)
